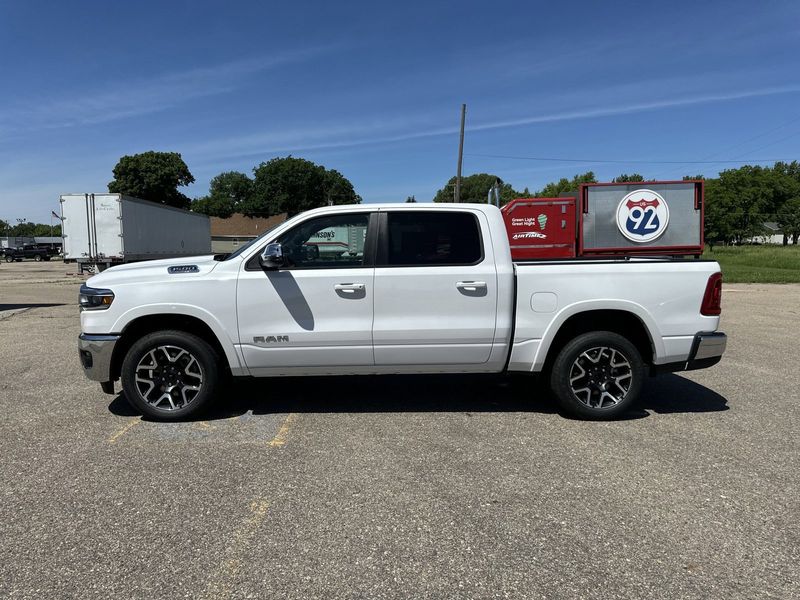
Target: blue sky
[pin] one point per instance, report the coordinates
(374, 90)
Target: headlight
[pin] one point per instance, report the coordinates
(94, 299)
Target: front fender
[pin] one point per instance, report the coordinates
(218, 329)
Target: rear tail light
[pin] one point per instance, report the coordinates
(712, 299)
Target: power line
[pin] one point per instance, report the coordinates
(779, 140)
(643, 162)
(740, 144)
(703, 161)
(755, 137)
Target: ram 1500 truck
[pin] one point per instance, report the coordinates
(394, 288)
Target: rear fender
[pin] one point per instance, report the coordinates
(590, 305)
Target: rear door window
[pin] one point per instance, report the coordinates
(432, 238)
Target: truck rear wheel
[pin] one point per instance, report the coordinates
(170, 375)
(37, 257)
(597, 376)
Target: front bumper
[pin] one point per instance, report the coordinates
(95, 352)
(707, 350)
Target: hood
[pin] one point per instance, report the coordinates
(152, 270)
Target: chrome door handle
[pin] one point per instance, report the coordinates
(471, 286)
(348, 287)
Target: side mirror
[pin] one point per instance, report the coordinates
(272, 257)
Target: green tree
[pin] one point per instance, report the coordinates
(29, 229)
(736, 203)
(564, 185)
(153, 176)
(786, 202)
(227, 193)
(625, 178)
(338, 189)
(23, 229)
(293, 185)
(789, 220)
(719, 226)
(741, 200)
(475, 188)
(411, 199)
(43, 230)
(791, 169)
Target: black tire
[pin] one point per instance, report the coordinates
(597, 376)
(37, 258)
(184, 377)
(9, 258)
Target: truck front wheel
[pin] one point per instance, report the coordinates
(170, 375)
(597, 375)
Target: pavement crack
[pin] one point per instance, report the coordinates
(7, 314)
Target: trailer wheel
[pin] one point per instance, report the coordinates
(170, 375)
(597, 376)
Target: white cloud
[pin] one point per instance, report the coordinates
(624, 109)
(369, 132)
(119, 100)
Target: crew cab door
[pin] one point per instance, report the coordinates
(317, 311)
(435, 289)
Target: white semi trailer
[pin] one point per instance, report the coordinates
(101, 230)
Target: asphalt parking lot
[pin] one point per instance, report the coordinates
(416, 487)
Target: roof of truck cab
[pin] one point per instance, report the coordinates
(403, 206)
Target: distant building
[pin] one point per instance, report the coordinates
(773, 234)
(228, 234)
(16, 242)
(52, 241)
(24, 240)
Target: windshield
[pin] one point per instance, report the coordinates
(252, 242)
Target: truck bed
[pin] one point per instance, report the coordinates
(664, 294)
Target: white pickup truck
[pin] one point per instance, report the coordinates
(395, 288)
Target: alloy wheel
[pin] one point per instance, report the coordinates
(169, 378)
(600, 377)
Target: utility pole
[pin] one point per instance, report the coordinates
(460, 154)
(19, 224)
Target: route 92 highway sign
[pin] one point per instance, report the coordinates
(642, 216)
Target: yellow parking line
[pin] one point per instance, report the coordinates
(222, 586)
(123, 430)
(283, 433)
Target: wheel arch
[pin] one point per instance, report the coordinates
(621, 320)
(141, 326)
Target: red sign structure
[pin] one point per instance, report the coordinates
(656, 218)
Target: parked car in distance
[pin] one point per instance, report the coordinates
(36, 252)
